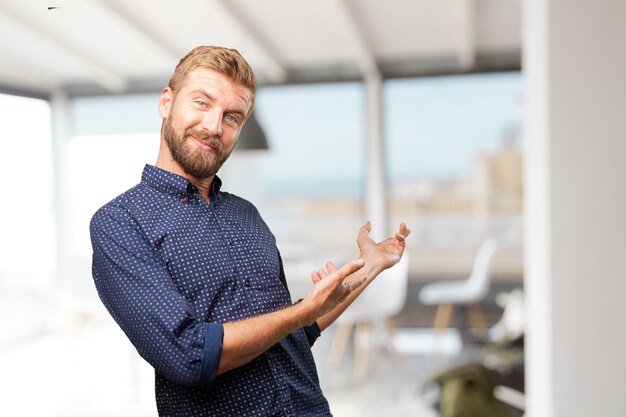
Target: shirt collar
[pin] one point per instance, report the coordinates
(170, 183)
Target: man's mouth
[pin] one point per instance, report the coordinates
(204, 145)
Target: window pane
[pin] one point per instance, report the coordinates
(455, 166)
(27, 223)
(100, 168)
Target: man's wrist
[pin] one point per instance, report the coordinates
(372, 267)
(305, 314)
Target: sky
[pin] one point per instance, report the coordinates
(436, 125)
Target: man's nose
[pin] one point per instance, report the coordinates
(212, 123)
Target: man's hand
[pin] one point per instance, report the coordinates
(246, 339)
(386, 253)
(331, 291)
(377, 257)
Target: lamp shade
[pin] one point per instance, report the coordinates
(252, 136)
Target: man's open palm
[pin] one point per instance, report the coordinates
(387, 252)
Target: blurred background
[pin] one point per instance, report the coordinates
(491, 127)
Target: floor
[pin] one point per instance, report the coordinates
(88, 369)
(392, 386)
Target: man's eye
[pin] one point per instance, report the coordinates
(200, 103)
(231, 118)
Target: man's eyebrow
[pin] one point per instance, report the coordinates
(208, 95)
(203, 92)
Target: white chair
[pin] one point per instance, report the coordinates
(371, 317)
(467, 292)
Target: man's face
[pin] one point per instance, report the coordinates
(203, 120)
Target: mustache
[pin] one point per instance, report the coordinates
(212, 140)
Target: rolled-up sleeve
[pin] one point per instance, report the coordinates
(136, 288)
(312, 333)
(211, 353)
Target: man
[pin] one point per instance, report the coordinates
(192, 274)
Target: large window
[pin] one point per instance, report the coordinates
(455, 166)
(27, 247)
(100, 168)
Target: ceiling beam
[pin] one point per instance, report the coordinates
(30, 93)
(467, 34)
(276, 71)
(155, 38)
(96, 71)
(365, 57)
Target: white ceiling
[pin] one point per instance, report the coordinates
(133, 45)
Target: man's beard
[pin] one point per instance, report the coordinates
(193, 161)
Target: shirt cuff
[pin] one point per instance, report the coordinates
(312, 332)
(211, 353)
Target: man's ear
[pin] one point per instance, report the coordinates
(165, 102)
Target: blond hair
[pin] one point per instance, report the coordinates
(223, 60)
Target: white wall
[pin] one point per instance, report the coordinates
(575, 69)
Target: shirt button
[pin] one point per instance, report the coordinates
(231, 242)
(183, 200)
(246, 282)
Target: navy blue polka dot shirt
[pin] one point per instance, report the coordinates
(171, 269)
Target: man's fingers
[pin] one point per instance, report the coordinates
(315, 277)
(403, 232)
(365, 230)
(347, 270)
(330, 267)
(350, 268)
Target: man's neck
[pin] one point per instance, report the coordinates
(203, 185)
(167, 163)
